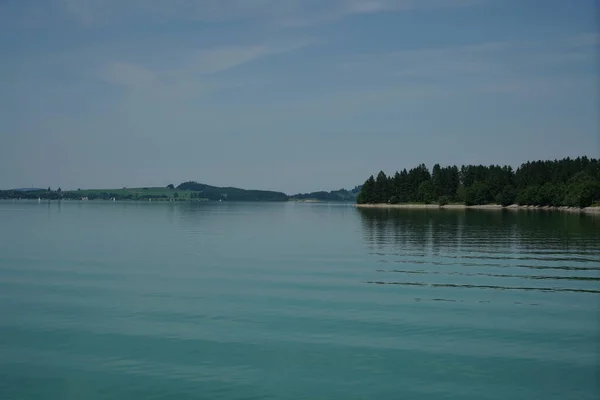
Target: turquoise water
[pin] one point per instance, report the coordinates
(103, 300)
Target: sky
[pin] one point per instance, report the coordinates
(289, 95)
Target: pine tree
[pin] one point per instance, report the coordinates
(382, 192)
(367, 192)
(573, 182)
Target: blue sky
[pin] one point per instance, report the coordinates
(292, 95)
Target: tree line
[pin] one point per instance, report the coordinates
(190, 191)
(78, 195)
(573, 182)
(334, 195)
(230, 193)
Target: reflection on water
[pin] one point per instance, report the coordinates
(295, 301)
(500, 250)
(450, 285)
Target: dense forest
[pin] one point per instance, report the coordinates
(229, 193)
(334, 195)
(567, 182)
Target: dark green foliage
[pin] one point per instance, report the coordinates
(191, 185)
(170, 186)
(546, 194)
(415, 177)
(436, 177)
(582, 190)
(460, 194)
(382, 188)
(334, 195)
(232, 194)
(175, 195)
(507, 196)
(402, 187)
(557, 171)
(559, 193)
(395, 185)
(426, 192)
(445, 181)
(571, 182)
(529, 196)
(367, 192)
(478, 193)
(443, 200)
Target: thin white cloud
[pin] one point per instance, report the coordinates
(441, 63)
(332, 10)
(213, 60)
(281, 12)
(584, 39)
(474, 63)
(194, 75)
(78, 10)
(127, 75)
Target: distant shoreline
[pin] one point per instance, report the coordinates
(514, 207)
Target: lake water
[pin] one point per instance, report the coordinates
(102, 300)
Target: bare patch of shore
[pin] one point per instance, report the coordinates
(514, 207)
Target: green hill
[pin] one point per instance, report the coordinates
(200, 190)
(334, 195)
(186, 191)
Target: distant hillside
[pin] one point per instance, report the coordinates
(186, 191)
(334, 195)
(229, 193)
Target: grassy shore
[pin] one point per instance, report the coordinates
(140, 193)
(514, 207)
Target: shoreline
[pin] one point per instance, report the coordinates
(497, 207)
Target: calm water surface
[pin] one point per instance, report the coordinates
(104, 300)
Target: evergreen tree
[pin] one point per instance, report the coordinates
(367, 192)
(478, 193)
(507, 197)
(404, 189)
(582, 191)
(382, 190)
(438, 180)
(396, 188)
(573, 182)
(415, 177)
(426, 192)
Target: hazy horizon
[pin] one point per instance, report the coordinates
(293, 96)
(176, 183)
